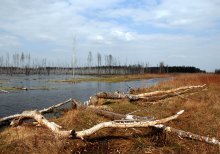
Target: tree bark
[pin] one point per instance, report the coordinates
(7, 119)
(189, 135)
(151, 96)
(56, 129)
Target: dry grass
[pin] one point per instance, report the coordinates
(115, 78)
(202, 116)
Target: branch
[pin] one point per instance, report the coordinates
(17, 116)
(150, 96)
(190, 135)
(168, 129)
(51, 108)
(123, 124)
(4, 91)
(56, 129)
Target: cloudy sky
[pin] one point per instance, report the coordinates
(177, 32)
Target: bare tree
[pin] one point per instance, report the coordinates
(99, 59)
(89, 59)
(161, 67)
(22, 59)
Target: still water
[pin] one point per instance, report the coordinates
(48, 93)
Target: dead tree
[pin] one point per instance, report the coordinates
(151, 96)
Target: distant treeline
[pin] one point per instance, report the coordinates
(135, 69)
(217, 71)
(24, 63)
(101, 70)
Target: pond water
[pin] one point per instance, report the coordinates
(49, 93)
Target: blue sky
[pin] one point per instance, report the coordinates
(176, 32)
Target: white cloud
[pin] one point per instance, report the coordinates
(110, 26)
(9, 43)
(121, 35)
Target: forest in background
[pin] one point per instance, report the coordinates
(22, 63)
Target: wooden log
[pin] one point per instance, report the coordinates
(56, 129)
(108, 114)
(4, 91)
(51, 108)
(189, 135)
(180, 133)
(151, 96)
(6, 120)
(176, 90)
(125, 124)
(116, 95)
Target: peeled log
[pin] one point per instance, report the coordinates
(189, 135)
(151, 96)
(176, 90)
(180, 133)
(7, 119)
(51, 108)
(122, 124)
(116, 95)
(56, 129)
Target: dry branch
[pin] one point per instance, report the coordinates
(180, 133)
(4, 91)
(80, 134)
(189, 135)
(17, 117)
(176, 90)
(51, 108)
(107, 114)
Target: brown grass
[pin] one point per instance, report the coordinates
(202, 116)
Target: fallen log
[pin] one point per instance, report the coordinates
(180, 133)
(176, 90)
(51, 108)
(189, 135)
(17, 117)
(151, 96)
(109, 114)
(56, 129)
(4, 91)
(168, 129)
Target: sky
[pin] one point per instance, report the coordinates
(176, 32)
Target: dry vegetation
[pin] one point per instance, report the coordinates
(115, 78)
(202, 116)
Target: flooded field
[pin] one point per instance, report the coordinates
(45, 92)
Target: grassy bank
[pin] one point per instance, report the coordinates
(202, 116)
(114, 78)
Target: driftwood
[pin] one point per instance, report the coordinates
(4, 91)
(109, 114)
(56, 129)
(51, 108)
(18, 117)
(189, 135)
(180, 133)
(151, 96)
